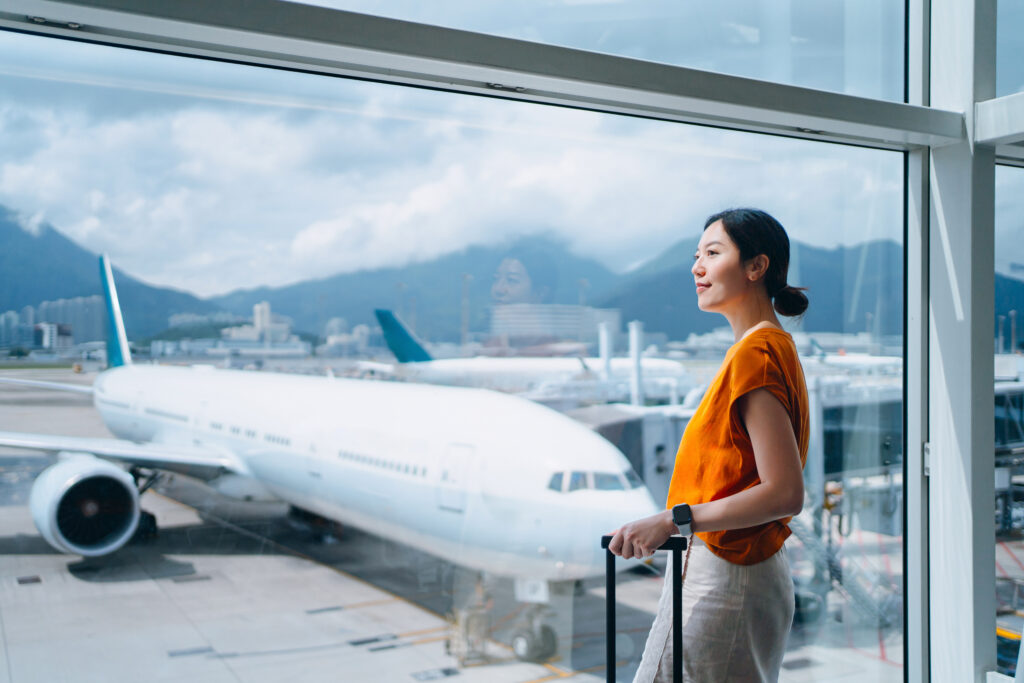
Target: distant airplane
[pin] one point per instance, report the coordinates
(485, 480)
(531, 377)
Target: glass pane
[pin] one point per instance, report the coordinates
(1009, 414)
(850, 46)
(1009, 47)
(606, 481)
(325, 252)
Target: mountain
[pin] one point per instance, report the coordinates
(428, 294)
(844, 285)
(46, 265)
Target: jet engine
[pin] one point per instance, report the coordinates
(85, 506)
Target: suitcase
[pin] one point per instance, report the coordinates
(677, 544)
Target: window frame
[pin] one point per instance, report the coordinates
(952, 130)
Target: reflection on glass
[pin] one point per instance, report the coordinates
(850, 46)
(1009, 47)
(256, 220)
(1009, 417)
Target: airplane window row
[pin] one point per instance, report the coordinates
(163, 413)
(273, 438)
(251, 434)
(599, 481)
(404, 468)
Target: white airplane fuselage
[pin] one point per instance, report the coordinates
(521, 374)
(460, 473)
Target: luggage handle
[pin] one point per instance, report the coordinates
(677, 544)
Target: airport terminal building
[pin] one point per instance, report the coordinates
(374, 528)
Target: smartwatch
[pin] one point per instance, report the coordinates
(682, 517)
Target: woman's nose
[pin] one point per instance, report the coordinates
(697, 267)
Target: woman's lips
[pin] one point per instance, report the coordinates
(701, 287)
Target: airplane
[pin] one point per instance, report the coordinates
(534, 378)
(486, 480)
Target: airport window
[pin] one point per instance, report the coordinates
(1009, 413)
(851, 47)
(1009, 48)
(420, 201)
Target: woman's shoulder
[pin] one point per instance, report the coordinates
(765, 344)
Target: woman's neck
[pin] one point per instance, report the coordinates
(756, 315)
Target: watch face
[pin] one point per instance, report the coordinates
(681, 514)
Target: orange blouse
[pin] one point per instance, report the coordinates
(715, 457)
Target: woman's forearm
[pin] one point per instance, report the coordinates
(759, 504)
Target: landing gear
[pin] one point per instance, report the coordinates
(147, 528)
(533, 640)
(322, 530)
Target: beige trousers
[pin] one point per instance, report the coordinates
(736, 620)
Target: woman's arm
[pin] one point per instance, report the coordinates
(780, 493)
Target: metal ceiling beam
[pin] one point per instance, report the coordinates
(999, 121)
(283, 34)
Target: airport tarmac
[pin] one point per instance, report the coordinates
(232, 591)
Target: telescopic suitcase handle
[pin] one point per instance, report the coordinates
(677, 544)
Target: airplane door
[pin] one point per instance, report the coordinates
(455, 467)
(197, 421)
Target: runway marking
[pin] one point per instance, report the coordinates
(1013, 555)
(1000, 569)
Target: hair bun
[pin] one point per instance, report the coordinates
(790, 301)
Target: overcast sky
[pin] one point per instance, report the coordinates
(209, 177)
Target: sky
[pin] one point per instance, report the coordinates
(209, 177)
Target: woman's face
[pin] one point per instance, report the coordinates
(512, 284)
(722, 281)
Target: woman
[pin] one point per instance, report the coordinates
(738, 476)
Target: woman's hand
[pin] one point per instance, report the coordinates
(642, 537)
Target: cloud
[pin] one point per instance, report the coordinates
(250, 177)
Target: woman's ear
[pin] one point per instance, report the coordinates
(757, 267)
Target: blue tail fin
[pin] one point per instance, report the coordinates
(400, 340)
(117, 341)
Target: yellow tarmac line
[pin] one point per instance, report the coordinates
(1006, 633)
(422, 631)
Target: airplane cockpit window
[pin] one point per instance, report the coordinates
(577, 481)
(633, 479)
(608, 481)
(556, 482)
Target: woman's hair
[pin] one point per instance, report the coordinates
(755, 232)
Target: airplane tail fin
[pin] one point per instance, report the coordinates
(117, 341)
(400, 340)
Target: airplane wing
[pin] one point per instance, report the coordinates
(56, 386)
(203, 463)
